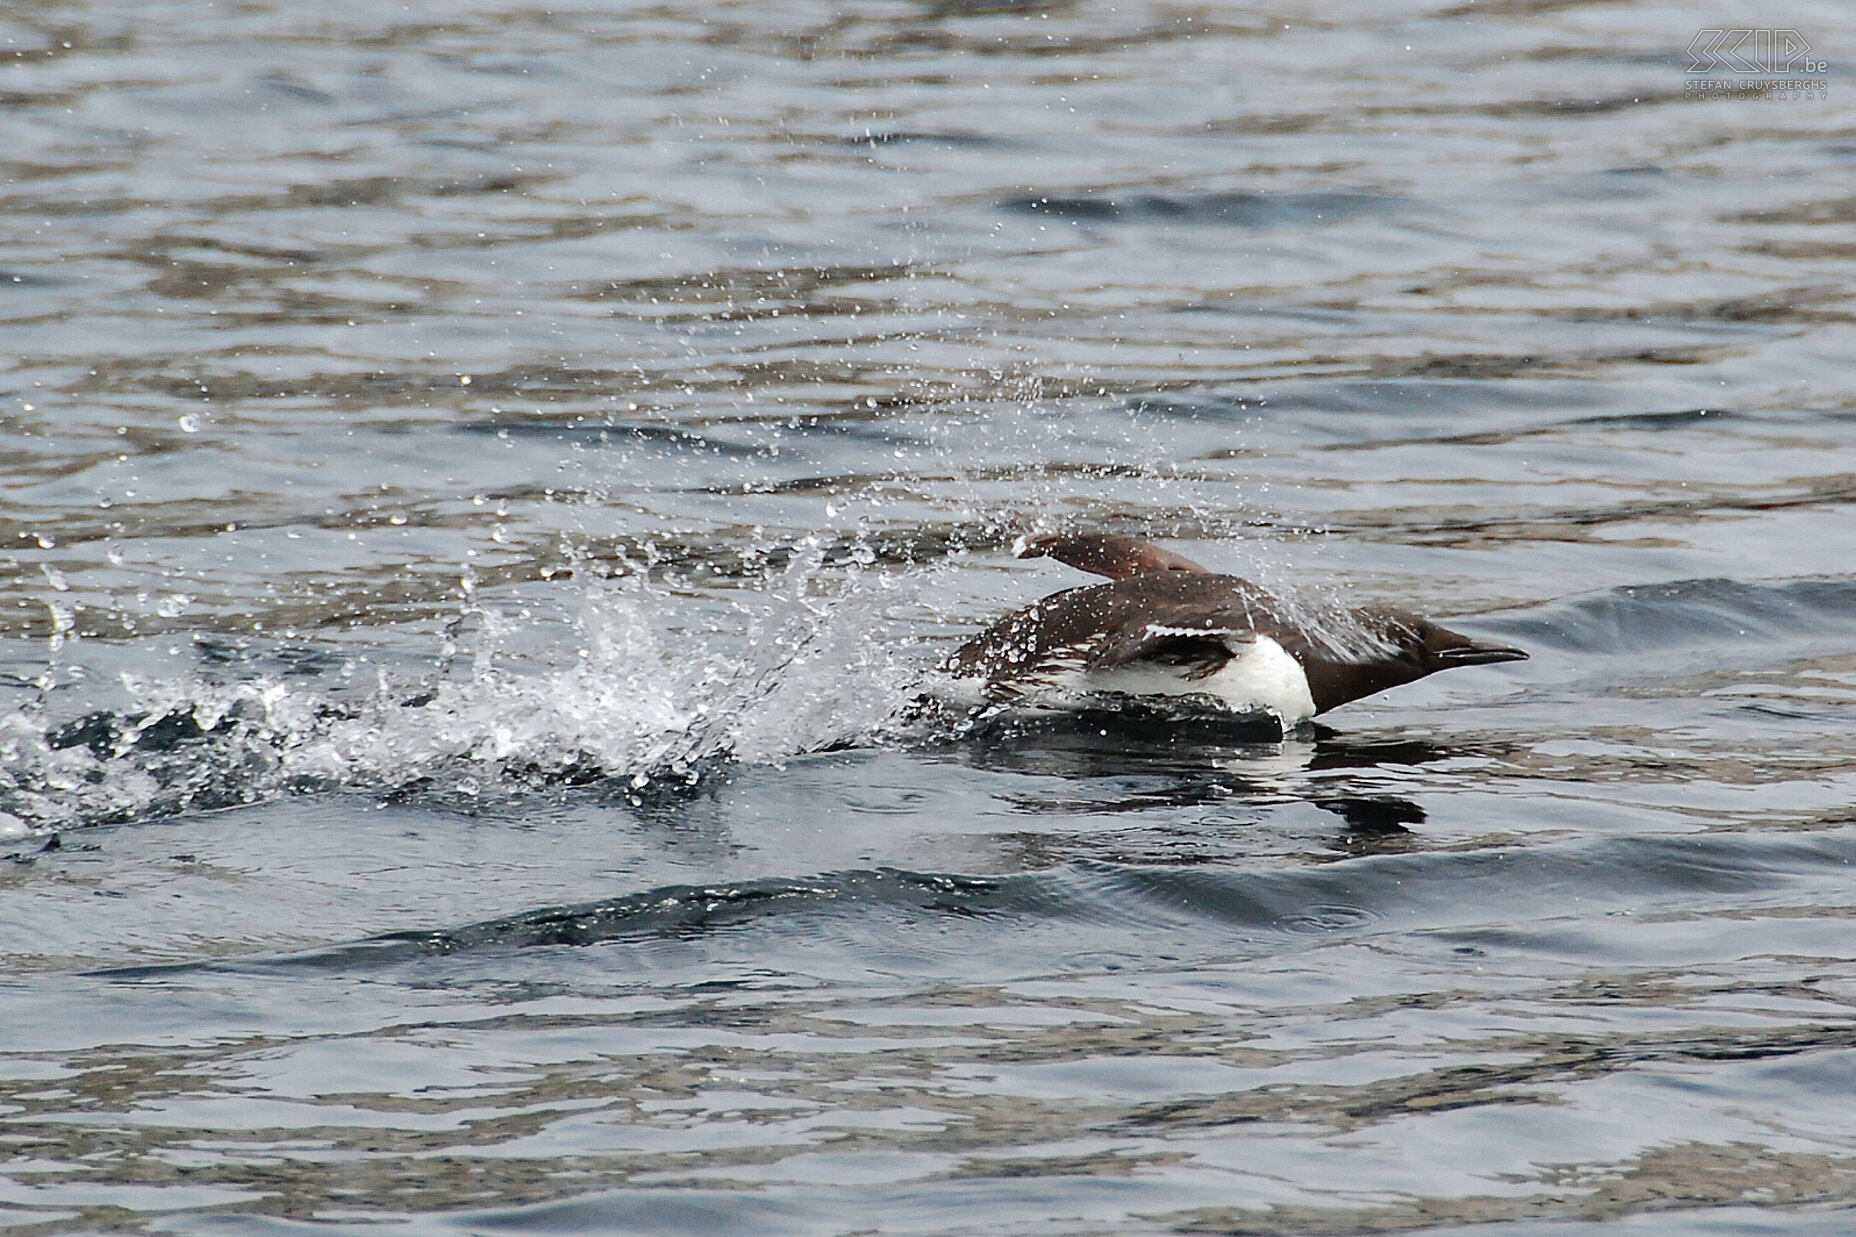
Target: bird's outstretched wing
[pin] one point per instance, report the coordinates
(1194, 649)
(1104, 554)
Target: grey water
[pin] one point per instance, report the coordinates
(485, 482)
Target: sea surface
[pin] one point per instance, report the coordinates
(484, 486)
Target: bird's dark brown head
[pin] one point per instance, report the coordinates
(1409, 648)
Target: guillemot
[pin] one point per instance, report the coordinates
(1165, 627)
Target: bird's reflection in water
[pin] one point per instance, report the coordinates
(1376, 824)
(1128, 761)
(1160, 760)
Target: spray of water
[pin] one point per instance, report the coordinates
(814, 660)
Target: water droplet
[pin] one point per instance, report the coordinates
(62, 623)
(173, 605)
(189, 424)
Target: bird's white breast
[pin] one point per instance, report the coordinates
(1265, 677)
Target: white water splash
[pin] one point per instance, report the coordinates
(632, 702)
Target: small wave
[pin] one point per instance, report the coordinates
(1091, 906)
(1238, 209)
(671, 911)
(1687, 613)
